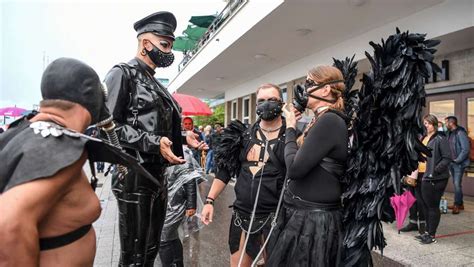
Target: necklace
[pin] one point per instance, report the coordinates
(270, 130)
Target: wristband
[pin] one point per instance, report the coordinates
(210, 198)
(211, 202)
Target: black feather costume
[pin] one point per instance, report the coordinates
(228, 151)
(385, 129)
(351, 98)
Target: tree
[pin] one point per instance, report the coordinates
(216, 117)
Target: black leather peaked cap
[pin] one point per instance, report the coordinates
(72, 80)
(161, 23)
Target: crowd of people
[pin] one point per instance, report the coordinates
(450, 148)
(208, 134)
(287, 194)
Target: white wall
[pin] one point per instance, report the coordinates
(248, 16)
(441, 19)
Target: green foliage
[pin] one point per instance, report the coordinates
(216, 117)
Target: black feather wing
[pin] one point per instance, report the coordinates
(228, 150)
(387, 126)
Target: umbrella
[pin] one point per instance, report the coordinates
(402, 204)
(183, 43)
(192, 106)
(194, 33)
(202, 21)
(11, 111)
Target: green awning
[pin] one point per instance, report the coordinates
(202, 21)
(194, 33)
(183, 43)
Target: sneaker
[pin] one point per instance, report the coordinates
(428, 239)
(410, 227)
(421, 236)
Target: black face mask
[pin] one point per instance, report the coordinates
(302, 94)
(160, 58)
(269, 110)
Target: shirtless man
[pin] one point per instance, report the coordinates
(267, 132)
(47, 205)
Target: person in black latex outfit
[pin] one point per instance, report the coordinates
(149, 128)
(255, 164)
(309, 226)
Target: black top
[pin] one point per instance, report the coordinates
(272, 177)
(328, 137)
(437, 166)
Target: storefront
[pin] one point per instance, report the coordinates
(453, 95)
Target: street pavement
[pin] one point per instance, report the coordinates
(455, 246)
(209, 247)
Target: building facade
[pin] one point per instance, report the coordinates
(278, 41)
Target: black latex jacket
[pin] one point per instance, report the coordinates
(143, 110)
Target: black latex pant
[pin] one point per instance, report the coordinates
(171, 253)
(142, 210)
(431, 192)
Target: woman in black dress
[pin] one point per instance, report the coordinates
(309, 227)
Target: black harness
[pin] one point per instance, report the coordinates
(252, 140)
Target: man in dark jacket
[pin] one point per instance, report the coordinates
(149, 128)
(253, 155)
(459, 147)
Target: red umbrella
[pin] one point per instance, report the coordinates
(402, 204)
(11, 111)
(192, 106)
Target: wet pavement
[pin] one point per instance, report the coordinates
(209, 247)
(454, 247)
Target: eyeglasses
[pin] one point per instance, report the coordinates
(272, 99)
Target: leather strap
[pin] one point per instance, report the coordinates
(63, 240)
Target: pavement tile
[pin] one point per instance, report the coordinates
(209, 246)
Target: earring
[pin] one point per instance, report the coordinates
(143, 52)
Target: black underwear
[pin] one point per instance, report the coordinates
(62, 240)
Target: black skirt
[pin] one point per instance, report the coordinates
(306, 234)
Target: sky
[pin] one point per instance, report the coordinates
(99, 33)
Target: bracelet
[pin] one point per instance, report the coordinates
(210, 198)
(211, 202)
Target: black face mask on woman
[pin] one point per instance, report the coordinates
(160, 58)
(269, 109)
(302, 94)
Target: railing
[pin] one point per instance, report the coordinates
(229, 10)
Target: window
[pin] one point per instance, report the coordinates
(246, 110)
(284, 93)
(233, 112)
(442, 109)
(470, 132)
